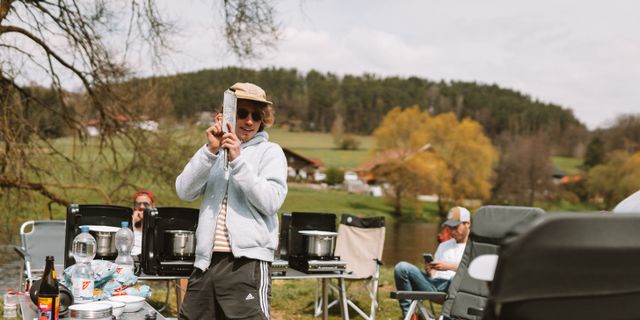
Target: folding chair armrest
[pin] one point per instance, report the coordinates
(475, 311)
(437, 297)
(21, 252)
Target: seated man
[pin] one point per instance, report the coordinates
(437, 274)
(142, 199)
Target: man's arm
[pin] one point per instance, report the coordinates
(444, 266)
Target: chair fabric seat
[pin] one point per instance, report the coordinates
(39, 238)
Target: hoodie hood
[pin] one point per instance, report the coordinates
(258, 138)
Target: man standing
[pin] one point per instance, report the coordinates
(238, 223)
(438, 273)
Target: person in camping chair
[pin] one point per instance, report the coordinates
(437, 274)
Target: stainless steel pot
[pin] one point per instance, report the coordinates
(319, 243)
(105, 240)
(180, 243)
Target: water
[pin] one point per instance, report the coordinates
(84, 246)
(407, 242)
(124, 244)
(84, 250)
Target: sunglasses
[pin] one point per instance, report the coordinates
(140, 204)
(244, 113)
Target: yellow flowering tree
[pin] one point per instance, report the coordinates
(438, 155)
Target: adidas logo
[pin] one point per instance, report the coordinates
(249, 297)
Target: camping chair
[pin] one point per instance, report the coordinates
(569, 266)
(359, 243)
(45, 238)
(490, 226)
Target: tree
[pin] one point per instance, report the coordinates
(624, 134)
(595, 152)
(524, 172)
(437, 155)
(342, 140)
(70, 42)
(615, 179)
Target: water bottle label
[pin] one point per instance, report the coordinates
(120, 269)
(83, 289)
(10, 311)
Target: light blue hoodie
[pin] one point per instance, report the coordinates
(257, 188)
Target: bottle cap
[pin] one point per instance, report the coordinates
(84, 228)
(124, 224)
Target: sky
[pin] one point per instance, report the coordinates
(581, 55)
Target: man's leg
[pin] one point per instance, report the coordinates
(409, 278)
(199, 300)
(243, 288)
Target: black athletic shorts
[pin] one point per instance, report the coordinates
(230, 289)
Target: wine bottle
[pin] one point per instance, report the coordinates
(48, 293)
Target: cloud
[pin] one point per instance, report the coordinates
(581, 55)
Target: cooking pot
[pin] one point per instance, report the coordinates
(319, 243)
(66, 297)
(179, 243)
(92, 310)
(105, 240)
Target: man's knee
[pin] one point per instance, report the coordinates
(402, 267)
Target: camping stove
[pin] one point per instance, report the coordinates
(298, 256)
(315, 264)
(168, 241)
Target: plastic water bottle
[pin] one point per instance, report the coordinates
(124, 244)
(11, 304)
(84, 250)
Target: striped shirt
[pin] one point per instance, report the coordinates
(221, 239)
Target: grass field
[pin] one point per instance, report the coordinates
(320, 145)
(570, 166)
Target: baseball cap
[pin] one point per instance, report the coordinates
(249, 91)
(456, 216)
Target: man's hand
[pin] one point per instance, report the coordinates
(429, 269)
(214, 134)
(231, 142)
(444, 266)
(138, 215)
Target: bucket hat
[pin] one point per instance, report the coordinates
(249, 91)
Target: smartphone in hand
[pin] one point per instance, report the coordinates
(428, 257)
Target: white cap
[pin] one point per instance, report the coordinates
(456, 216)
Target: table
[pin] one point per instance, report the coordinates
(29, 311)
(292, 274)
(170, 279)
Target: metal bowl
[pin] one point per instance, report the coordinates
(92, 310)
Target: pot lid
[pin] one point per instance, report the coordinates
(317, 233)
(103, 228)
